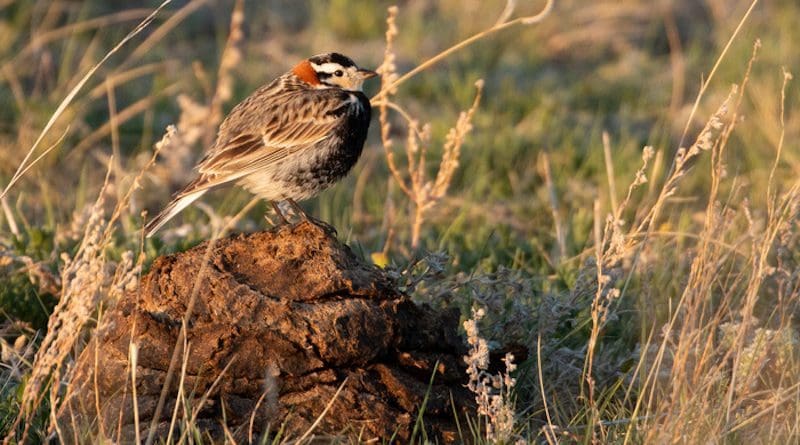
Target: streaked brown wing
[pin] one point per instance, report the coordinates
(214, 168)
(301, 127)
(219, 161)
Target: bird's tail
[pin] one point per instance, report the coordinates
(177, 204)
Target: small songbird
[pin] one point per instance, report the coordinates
(289, 140)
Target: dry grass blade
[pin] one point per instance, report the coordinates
(322, 414)
(120, 78)
(787, 76)
(121, 117)
(133, 359)
(389, 88)
(550, 428)
(10, 220)
(203, 399)
(182, 335)
(609, 161)
(73, 92)
(42, 155)
(38, 40)
(231, 57)
(720, 58)
(163, 30)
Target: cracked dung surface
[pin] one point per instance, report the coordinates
(280, 320)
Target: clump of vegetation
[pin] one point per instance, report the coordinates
(664, 311)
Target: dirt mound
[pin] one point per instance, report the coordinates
(280, 321)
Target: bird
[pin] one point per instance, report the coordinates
(289, 140)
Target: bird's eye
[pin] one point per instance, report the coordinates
(338, 73)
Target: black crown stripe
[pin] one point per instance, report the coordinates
(332, 57)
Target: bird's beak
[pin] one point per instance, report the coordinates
(366, 74)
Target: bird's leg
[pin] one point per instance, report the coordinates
(327, 227)
(302, 213)
(277, 209)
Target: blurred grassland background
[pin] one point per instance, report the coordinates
(711, 294)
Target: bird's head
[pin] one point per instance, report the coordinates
(332, 70)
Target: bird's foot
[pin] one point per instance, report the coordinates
(322, 224)
(306, 217)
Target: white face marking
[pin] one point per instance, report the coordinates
(328, 67)
(349, 80)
